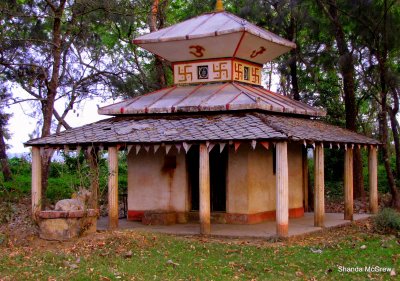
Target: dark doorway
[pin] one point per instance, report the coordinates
(218, 168)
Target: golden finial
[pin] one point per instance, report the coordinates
(219, 6)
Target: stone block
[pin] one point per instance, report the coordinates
(63, 226)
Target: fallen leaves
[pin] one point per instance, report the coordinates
(171, 262)
(316, 251)
(128, 254)
(299, 274)
(392, 273)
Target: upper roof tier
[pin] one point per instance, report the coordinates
(217, 97)
(215, 35)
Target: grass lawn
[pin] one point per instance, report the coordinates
(129, 255)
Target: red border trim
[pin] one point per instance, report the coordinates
(260, 217)
(215, 59)
(235, 218)
(135, 215)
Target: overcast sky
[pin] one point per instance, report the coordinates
(21, 125)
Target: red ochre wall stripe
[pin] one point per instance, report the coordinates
(134, 215)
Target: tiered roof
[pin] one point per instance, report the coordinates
(216, 97)
(210, 98)
(219, 128)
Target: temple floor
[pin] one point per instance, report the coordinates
(297, 226)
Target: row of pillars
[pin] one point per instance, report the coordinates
(282, 186)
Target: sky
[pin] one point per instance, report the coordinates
(21, 125)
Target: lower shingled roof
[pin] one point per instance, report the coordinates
(192, 128)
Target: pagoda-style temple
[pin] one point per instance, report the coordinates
(215, 146)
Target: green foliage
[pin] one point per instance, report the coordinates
(65, 178)
(19, 165)
(387, 221)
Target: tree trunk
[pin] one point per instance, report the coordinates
(293, 75)
(395, 124)
(158, 63)
(346, 65)
(7, 175)
(291, 31)
(381, 55)
(92, 158)
(48, 103)
(358, 178)
(386, 159)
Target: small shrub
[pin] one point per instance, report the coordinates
(56, 169)
(387, 221)
(3, 238)
(6, 211)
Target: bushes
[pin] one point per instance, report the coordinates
(387, 221)
(66, 175)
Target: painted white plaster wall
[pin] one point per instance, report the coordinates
(251, 183)
(237, 182)
(152, 187)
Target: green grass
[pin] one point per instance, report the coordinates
(195, 259)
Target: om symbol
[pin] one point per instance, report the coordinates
(198, 50)
(259, 52)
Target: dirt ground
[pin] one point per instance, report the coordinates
(21, 231)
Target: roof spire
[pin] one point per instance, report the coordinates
(219, 6)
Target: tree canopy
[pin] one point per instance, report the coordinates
(346, 60)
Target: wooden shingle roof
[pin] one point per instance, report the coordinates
(197, 128)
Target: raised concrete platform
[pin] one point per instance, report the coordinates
(297, 226)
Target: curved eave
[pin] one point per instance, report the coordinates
(283, 42)
(217, 97)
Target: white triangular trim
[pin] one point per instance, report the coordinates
(221, 146)
(186, 146)
(129, 147)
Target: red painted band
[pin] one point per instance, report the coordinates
(135, 215)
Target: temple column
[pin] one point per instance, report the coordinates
(204, 190)
(348, 184)
(319, 186)
(36, 181)
(282, 192)
(373, 180)
(305, 178)
(112, 187)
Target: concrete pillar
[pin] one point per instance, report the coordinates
(373, 180)
(36, 181)
(348, 184)
(319, 186)
(112, 187)
(305, 178)
(204, 191)
(282, 192)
